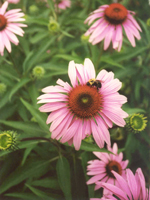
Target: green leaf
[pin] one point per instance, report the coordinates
(92, 147)
(27, 152)
(34, 57)
(28, 127)
(63, 173)
(39, 193)
(25, 196)
(30, 169)
(40, 117)
(39, 36)
(110, 61)
(4, 100)
(47, 183)
(16, 87)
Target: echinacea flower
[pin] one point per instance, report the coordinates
(80, 110)
(110, 20)
(13, 1)
(101, 169)
(63, 4)
(9, 26)
(132, 187)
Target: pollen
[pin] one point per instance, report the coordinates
(3, 22)
(84, 101)
(115, 166)
(115, 13)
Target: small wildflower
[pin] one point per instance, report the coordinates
(63, 4)
(38, 72)
(8, 140)
(136, 122)
(2, 88)
(53, 25)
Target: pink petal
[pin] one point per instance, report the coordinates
(89, 67)
(132, 183)
(72, 73)
(3, 8)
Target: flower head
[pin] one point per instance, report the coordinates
(9, 26)
(101, 169)
(53, 25)
(136, 122)
(128, 188)
(63, 4)
(110, 19)
(82, 109)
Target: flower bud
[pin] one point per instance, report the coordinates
(2, 88)
(136, 122)
(53, 25)
(8, 140)
(38, 72)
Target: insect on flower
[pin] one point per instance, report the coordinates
(94, 83)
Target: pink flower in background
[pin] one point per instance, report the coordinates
(63, 4)
(108, 27)
(101, 169)
(9, 26)
(80, 109)
(128, 188)
(13, 1)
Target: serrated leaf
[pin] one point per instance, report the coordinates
(63, 173)
(16, 87)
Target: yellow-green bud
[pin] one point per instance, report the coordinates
(53, 25)
(33, 9)
(85, 39)
(38, 72)
(89, 139)
(8, 140)
(2, 88)
(148, 22)
(136, 122)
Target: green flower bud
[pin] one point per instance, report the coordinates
(136, 122)
(89, 139)
(33, 9)
(8, 140)
(2, 88)
(38, 72)
(148, 22)
(117, 134)
(85, 39)
(53, 26)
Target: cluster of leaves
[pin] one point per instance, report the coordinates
(43, 168)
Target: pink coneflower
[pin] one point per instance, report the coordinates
(101, 169)
(110, 19)
(8, 26)
(13, 1)
(130, 188)
(63, 4)
(80, 110)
